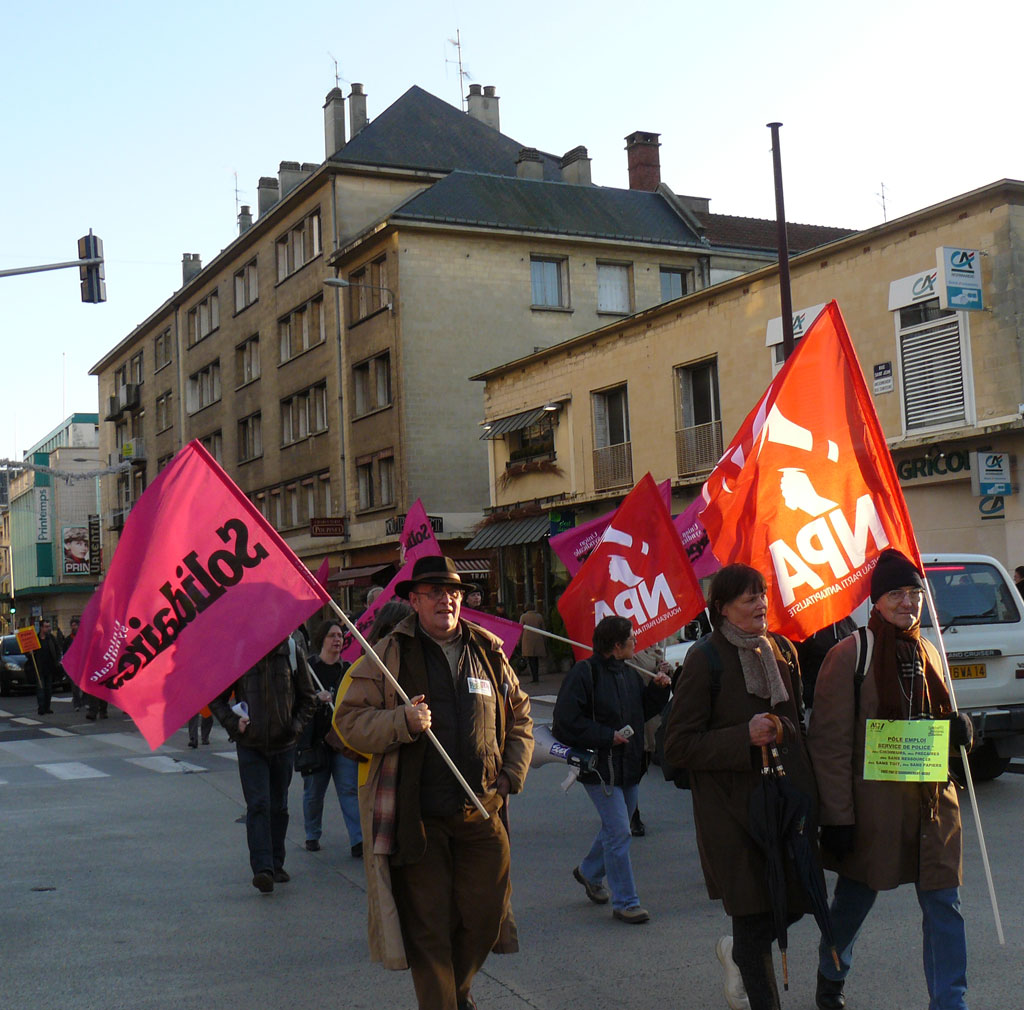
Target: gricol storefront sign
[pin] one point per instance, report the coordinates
(959, 278)
(990, 473)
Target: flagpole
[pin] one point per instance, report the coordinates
(580, 645)
(782, 240)
(933, 610)
(374, 658)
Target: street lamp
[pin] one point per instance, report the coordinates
(340, 282)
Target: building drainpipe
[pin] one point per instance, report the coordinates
(338, 328)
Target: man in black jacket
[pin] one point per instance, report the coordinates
(273, 701)
(48, 668)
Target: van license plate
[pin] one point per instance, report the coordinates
(975, 671)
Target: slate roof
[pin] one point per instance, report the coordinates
(419, 130)
(727, 230)
(496, 201)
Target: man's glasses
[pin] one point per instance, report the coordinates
(436, 593)
(899, 595)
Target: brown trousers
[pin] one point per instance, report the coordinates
(451, 903)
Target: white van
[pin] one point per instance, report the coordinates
(981, 616)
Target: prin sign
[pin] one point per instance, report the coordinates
(44, 516)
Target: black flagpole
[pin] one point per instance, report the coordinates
(785, 295)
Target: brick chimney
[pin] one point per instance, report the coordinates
(643, 161)
(482, 104)
(356, 110)
(191, 267)
(334, 122)
(529, 164)
(576, 167)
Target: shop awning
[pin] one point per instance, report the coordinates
(472, 566)
(507, 534)
(355, 576)
(495, 429)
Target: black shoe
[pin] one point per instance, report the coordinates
(91, 716)
(312, 845)
(357, 850)
(468, 1003)
(637, 828)
(193, 744)
(281, 875)
(263, 881)
(829, 993)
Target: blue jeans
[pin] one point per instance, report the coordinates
(265, 780)
(610, 852)
(345, 773)
(944, 939)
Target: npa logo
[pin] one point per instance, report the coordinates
(642, 601)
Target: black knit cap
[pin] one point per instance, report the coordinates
(893, 571)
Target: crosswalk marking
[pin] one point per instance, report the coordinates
(163, 763)
(231, 755)
(57, 731)
(72, 770)
(6, 715)
(24, 720)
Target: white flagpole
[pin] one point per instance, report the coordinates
(933, 610)
(580, 645)
(374, 658)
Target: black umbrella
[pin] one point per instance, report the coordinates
(783, 825)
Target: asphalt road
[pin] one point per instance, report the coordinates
(125, 884)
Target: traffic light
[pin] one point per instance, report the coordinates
(94, 287)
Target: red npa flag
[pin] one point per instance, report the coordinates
(200, 588)
(807, 493)
(639, 570)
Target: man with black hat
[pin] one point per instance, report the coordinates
(880, 834)
(435, 866)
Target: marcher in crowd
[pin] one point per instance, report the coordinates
(1018, 578)
(718, 723)
(372, 594)
(602, 705)
(431, 856)
(813, 650)
(879, 834)
(342, 768)
(532, 647)
(48, 668)
(475, 599)
(200, 725)
(76, 691)
(653, 661)
(275, 698)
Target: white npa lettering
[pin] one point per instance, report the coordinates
(478, 685)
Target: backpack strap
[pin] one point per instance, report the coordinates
(714, 660)
(865, 644)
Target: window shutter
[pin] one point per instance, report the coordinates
(600, 420)
(933, 378)
(612, 288)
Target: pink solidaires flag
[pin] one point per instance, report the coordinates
(695, 539)
(418, 541)
(574, 546)
(200, 588)
(322, 572)
(501, 627)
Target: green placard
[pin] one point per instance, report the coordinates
(906, 750)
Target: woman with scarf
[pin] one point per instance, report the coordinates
(734, 685)
(880, 834)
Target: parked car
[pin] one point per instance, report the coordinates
(981, 618)
(16, 672)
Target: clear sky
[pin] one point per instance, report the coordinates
(133, 119)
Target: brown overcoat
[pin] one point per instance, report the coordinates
(714, 745)
(896, 840)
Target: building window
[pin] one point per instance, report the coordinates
(162, 350)
(164, 418)
(302, 329)
(304, 413)
(246, 286)
(203, 318)
(372, 384)
(300, 245)
(613, 288)
(247, 360)
(549, 282)
(250, 437)
(163, 461)
(135, 369)
(698, 418)
(675, 283)
(364, 476)
(203, 387)
(613, 458)
(368, 292)
(538, 440)
(214, 445)
(386, 479)
(375, 478)
(120, 378)
(932, 366)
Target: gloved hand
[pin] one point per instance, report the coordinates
(838, 839)
(961, 731)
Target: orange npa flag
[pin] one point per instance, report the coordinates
(639, 570)
(807, 492)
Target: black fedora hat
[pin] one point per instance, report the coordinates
(435, 571)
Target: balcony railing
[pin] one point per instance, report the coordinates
(613, 466)
(698, 448)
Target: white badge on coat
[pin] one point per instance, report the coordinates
(479, 685)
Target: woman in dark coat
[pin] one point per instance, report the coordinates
(719, 721)
(599, 698)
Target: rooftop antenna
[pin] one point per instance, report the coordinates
(464, 75)
(237, 206)
(337, 76)
(882, 195)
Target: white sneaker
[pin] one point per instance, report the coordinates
(735, 992)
